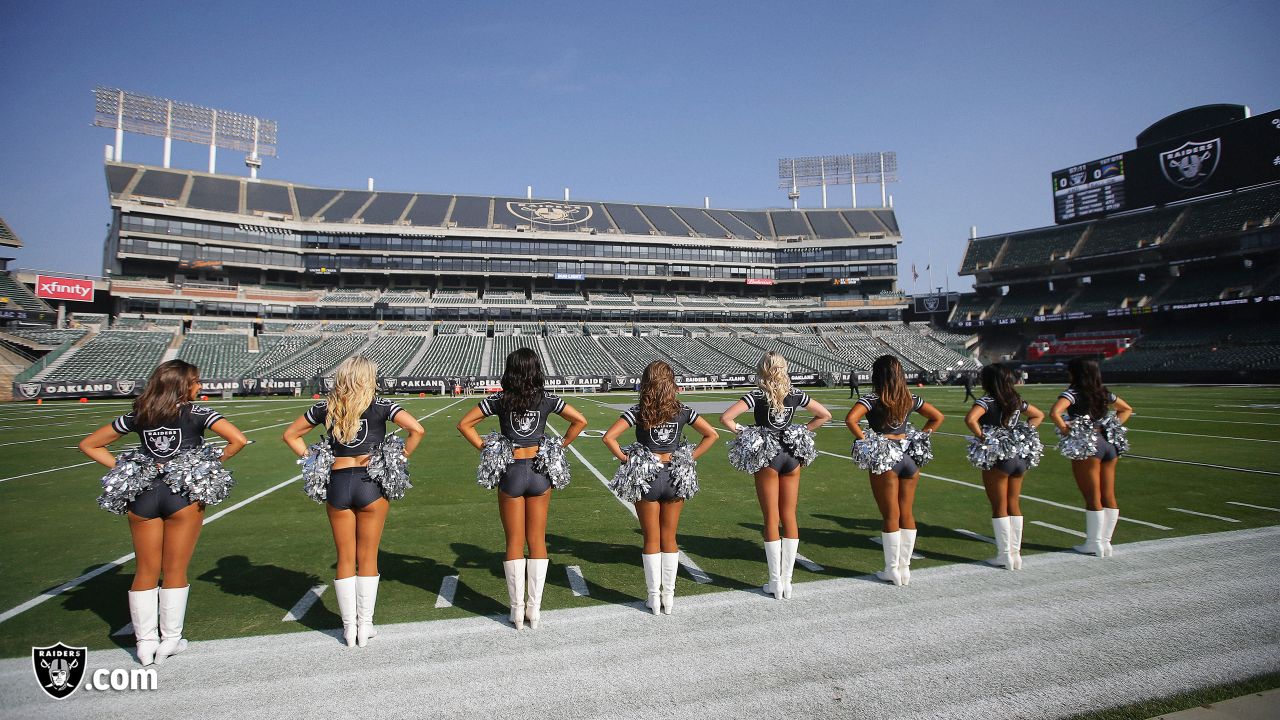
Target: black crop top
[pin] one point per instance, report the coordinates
(525, 430)
(878, 415)
(758, 403)
(372, 430)
(182, 433)
(994, 413)
(1078, 405)
(665, 437)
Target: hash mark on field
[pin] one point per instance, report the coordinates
(1208, 515)
(694, 571)
(914, 555)
(301, 607)
(1256, 507)
(448, 586)
(1200, 464)
(808, 564)
(974, 535)
(1059, 528)
(577, 583)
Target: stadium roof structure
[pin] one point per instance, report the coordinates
(195, 192)
(7, 236)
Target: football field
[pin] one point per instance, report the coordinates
(1203, 460)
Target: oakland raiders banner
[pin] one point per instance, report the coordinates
(76, 389)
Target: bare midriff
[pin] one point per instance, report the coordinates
(342, 463)
(524, 453)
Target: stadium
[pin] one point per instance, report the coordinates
(268, 285)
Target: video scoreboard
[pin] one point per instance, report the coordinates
(1088, 190)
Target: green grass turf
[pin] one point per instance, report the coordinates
(253, 564)
(1186, 701)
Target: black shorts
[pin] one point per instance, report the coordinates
(906, 467)
(1012, 467)
(158, 501)
(661, 489)
(352, 488)
(784, 462)
(1106, 451)
(521, 480)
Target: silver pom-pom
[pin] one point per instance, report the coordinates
(919, 446)
(995, 445)
(635, 477)
(495, 456)
(316, 465)
(389, 467)
(1026, 443)
(551, 462)
(1115, 433)
(877, 453)
(799, 441)
(684, 472)
(752, 449)
(1080, 442)
(198, 475)
(133, 474)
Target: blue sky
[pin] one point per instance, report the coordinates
(639, 102)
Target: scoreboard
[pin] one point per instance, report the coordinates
(1084, 191)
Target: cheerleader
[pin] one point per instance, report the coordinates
(659, 474)
(893, 469)
(163, 487)
(1087, 399)
(774, 450)
(355, 469)
(992, 415)
(530, 465)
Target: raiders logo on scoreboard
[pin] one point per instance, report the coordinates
(550, 213)
(1191, 164)
(932, 302)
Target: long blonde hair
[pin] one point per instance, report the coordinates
(774, 381)
(355, 382)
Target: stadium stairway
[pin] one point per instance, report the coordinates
(546, 356)
(486, 352)
(422, 351)
(75, 348)
(11, 365)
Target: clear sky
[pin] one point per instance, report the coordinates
(649, 102)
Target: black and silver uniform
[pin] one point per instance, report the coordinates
(878, 415)
(758, 403)
(662, 438)
(524, 429)
(184, 432)
(1078, 405)
(372, 430)
(994, 415)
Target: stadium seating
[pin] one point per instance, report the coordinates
(1024, 302)
(406, 297)
(391, 352)
(1131, 232)
(633, 354)
(504, 345)
(275, 349)
(578, 355)
(111, 354)
(980, 253)
(921, 351)
(972, 307)
(51, 338)
(697, 356)
(348, 297)
(1229, 214)
(19, 295)
(319, 359)
(218, 355)
(451, 354)
(1039, 247)
(1193, 287)
(1102, 295)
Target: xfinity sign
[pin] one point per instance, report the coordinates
(56, 288)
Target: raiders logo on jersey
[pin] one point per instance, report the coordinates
(361, 433)
(526, 423)
(664, 434)
(163, 442)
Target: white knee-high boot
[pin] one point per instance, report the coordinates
(366, 599)
(1000, 529)
(173, 614)
(670, 567)
(536, 579)
(345, 589)
(787, 564)
(144, 612)
(773, 557)
(652, 579)
(514, 570)
(892, 543)
(1110, 516)
(905, 553)
(1092, 533)
(1015, 542)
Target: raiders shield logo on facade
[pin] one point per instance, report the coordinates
(931, 303)
(163, 441)
(526, 423)
(664, 434)
(361, 434)
(59, 668)
(125, 387)
(391, 382)
(29, 391)
(1192, 164)
(550, 213)
(330, 383)
(249, 383)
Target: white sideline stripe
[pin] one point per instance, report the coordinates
(1024, 497)
(1059, 528)
(1214, 437)
(1203, 420)
(1255, 507)
(1200, 464)
(1208, 515)
(974, 535)
(694, 571)
(448, 586)
(301, 607)
(48, 594)
(914, 555)
(577, 583)
(810, 565)
(126, 630)
(43, 439)
(41, 472)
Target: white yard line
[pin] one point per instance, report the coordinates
(974, 535)
(810, 565)
(1255, 507)
(448, 586)
(301, 607)
(1213, 437)
(1145, 416)
(1208, 515)
(41, 472)
(1200, 464)
(1059, 528)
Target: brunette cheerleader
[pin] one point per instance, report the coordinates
(164, 487)
(355, 470)
(658, 474)
(1093, 440)
(524, 465)
(773, 450)
(889, 454)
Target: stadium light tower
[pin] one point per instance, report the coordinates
(169, 119)
(878, 168)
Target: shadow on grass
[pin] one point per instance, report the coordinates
(282, 587)
(600, 553)
(107, 597)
